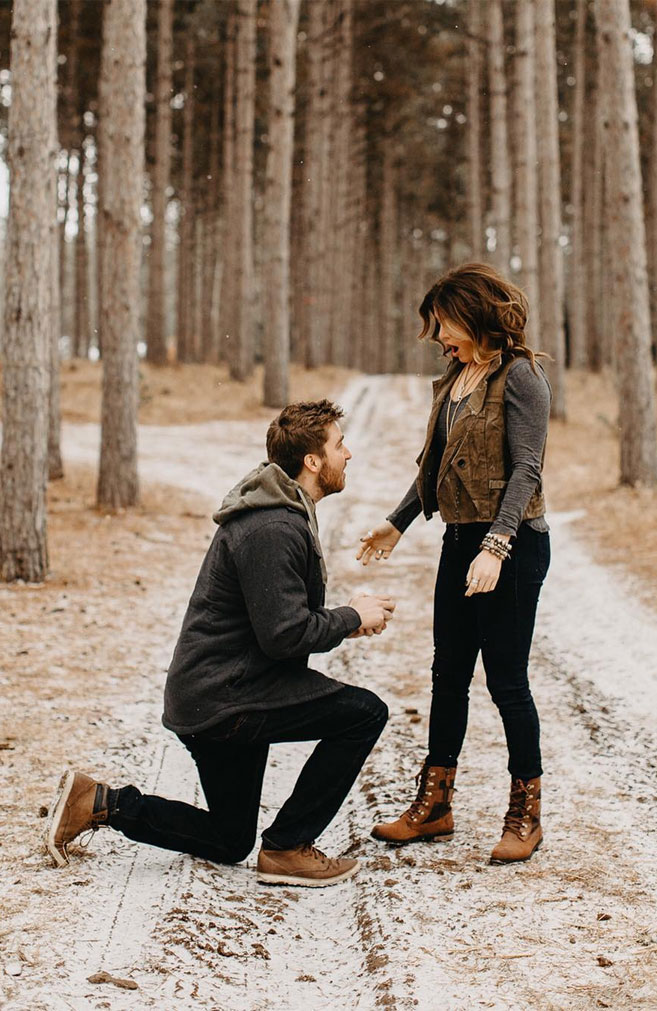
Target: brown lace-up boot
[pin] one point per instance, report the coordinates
(80, 806)
(303, 865)
(522, 833)
(430, 814)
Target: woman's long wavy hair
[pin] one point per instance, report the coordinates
(491, 310)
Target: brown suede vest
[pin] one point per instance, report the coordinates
(469, 484)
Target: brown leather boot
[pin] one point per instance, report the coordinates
(80, 806)
(430, 814)
(303, 865)
(522, 833)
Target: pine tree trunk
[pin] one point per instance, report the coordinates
(388, 245)
(227, 298)
(28, 328)
(551, 256)
(210, 239)
(122, 127)
(652, 238)
(577, 272)
(283, 19)
(55, 464)
(156, 349)
(187, 227)
(81, 326)
(628, 281)
(500, 154)
(243, 335)
(342, 163)
(593, 217)
(473, 115)
(525, 169)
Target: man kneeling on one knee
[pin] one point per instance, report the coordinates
(240, 681)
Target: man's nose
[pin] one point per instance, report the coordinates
(347, 453)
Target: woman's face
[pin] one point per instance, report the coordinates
(455, 339)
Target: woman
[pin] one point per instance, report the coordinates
(481, 469)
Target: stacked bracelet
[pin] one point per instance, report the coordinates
(497, 546)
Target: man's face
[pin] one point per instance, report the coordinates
(332, 473)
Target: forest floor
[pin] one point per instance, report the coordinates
(433, 926)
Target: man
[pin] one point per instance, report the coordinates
(239, 679)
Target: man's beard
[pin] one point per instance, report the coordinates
(330, 480)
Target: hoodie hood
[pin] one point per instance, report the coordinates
(269, 487)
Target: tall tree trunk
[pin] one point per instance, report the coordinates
(156, 349)
(55, 464)
(387, 251)
(243, 335)
(551, 256)
(525, 153)
(652, 238)
(81, 326)
(577, 273)
(227, 297)
(593, 217)
(186, 231)
(283, 19)
(630, 320)
(473, 114)
(122, 127)
(500, 155)
(342, 167)
(211, 239)
(28, 336)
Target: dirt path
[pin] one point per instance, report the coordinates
(433, 926)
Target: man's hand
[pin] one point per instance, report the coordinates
(378, 543)
(374, 612)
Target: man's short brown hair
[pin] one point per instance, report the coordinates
(298, 430)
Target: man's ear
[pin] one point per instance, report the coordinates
(312, 462)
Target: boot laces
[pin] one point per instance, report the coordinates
(518, 817)
(420, 805)
(310, 850)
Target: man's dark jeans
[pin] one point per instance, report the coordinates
(500, 624)
(231, 759)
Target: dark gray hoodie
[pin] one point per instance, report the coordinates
(257, 610)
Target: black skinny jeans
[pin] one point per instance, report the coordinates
(231, 758)
(500, 624)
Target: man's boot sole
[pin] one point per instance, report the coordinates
(437, 837)
(291, 879)
(65, 786)
(518, 860)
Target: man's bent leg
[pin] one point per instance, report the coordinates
(231, 776)
(347, 723)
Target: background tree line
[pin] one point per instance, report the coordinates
(263, 180)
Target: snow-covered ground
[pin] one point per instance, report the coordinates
(432, 926)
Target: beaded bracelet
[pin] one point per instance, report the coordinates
(496, 545)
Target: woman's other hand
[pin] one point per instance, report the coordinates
(483, 574)
(378, 543)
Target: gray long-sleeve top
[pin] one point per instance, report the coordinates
(527, 409)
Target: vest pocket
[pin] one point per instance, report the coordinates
(496, 484)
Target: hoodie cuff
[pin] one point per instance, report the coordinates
(349, 617)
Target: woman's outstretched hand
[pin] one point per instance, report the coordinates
(378, 543)
(483, 574)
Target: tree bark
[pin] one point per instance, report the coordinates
(30, 266)
(227, 297)
(186, 231)
(473, 115)
(283, 19)
(122, 170)
(551, 256)
(628, 282)
(243, 336)
(525, 168)
(156, 349)
(577, 272)
(500, 154)
(81, 266)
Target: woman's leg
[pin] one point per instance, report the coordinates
(456, 645)
(506, 625)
